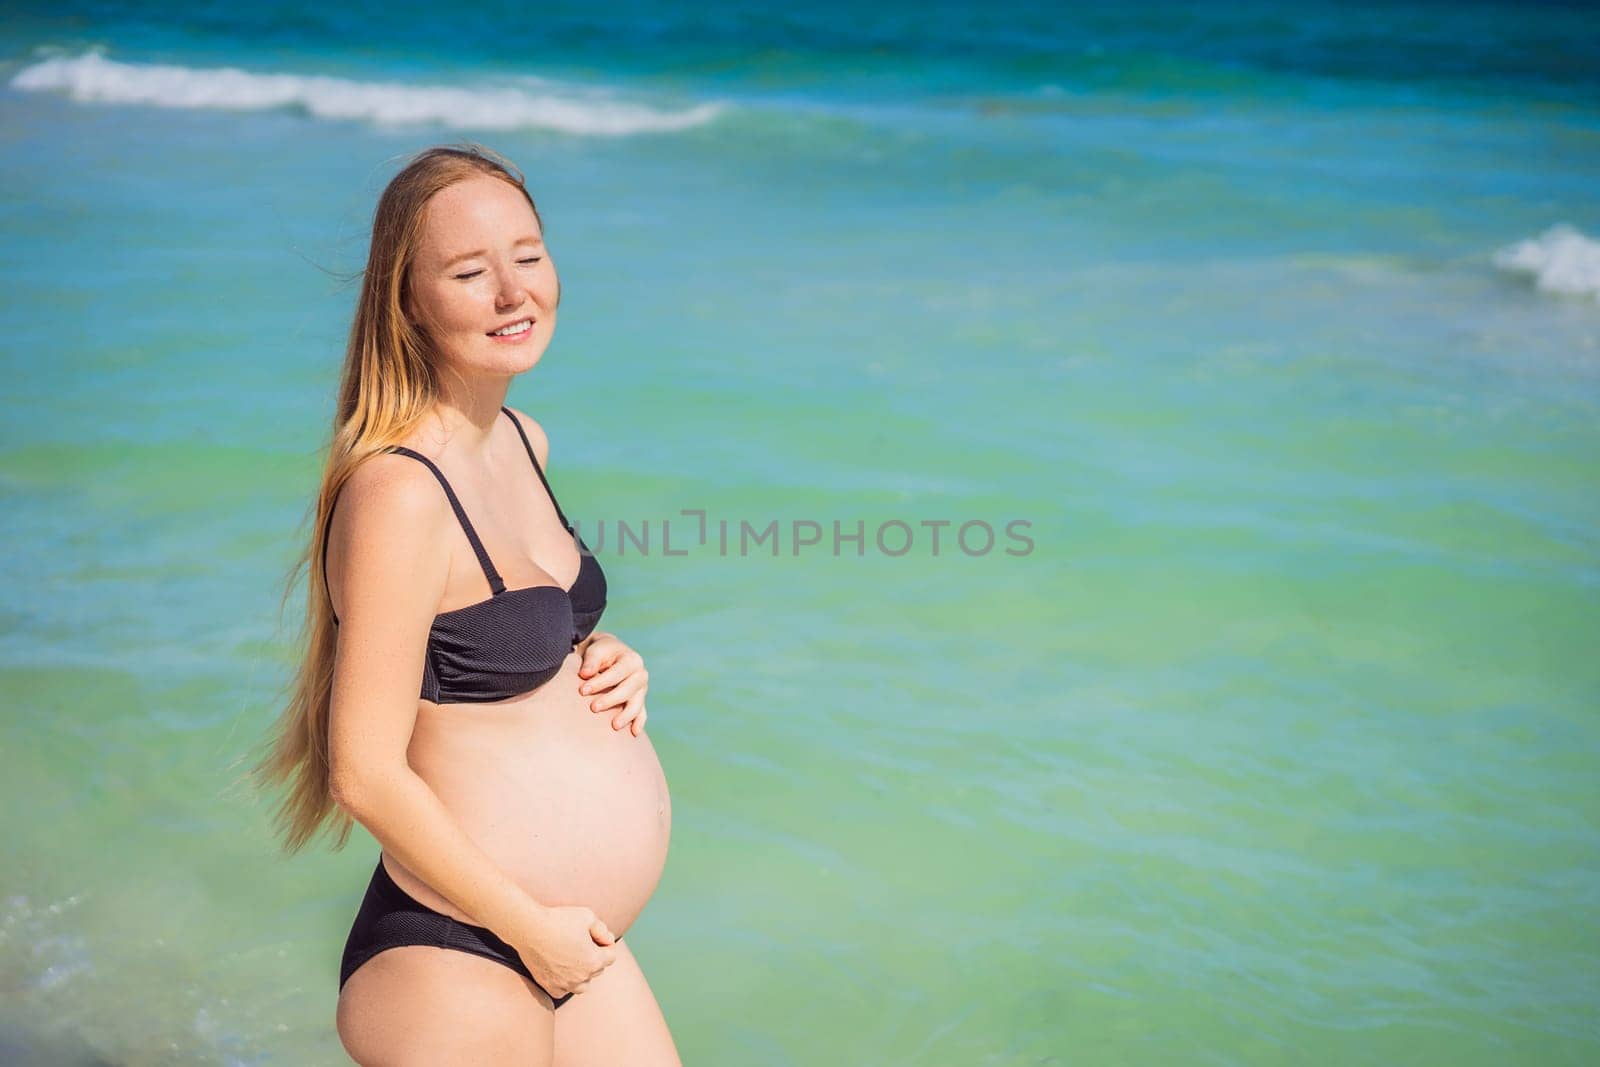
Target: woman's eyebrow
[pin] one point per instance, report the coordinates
(532, 239)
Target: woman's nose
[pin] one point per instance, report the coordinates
(509, 293)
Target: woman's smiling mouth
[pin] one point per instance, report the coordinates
(514, 331)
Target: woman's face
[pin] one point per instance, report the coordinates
(482, 265)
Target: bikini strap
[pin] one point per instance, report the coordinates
(548, 491)
(496, 586)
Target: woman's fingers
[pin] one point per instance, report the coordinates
(620, 686)
(630, 687)
(602, 681)
(631, 710)
(624, 666)
(597, 658)
(623, 687)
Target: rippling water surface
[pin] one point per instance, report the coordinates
(1271, 738)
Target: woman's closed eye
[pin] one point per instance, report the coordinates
(474, 273)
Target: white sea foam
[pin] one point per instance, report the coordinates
(93, 77)
(1561, 260)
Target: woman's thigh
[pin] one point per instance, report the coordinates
(421, 1004)
(616, 1020)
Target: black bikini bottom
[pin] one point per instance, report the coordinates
(391, 917)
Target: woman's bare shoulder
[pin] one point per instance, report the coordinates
(390, 523)
(391, 489)
(536, 435)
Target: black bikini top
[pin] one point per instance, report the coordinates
(517, 639)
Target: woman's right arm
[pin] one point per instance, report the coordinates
(388, 561)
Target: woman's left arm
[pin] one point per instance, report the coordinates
(613, 675)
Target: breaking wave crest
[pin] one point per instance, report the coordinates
(1561, 260)
(92, 77)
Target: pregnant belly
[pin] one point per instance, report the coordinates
(574, 811)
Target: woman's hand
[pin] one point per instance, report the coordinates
(568, 947)
(616, 673)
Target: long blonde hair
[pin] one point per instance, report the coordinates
(388, 385)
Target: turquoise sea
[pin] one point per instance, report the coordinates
(1276, 325)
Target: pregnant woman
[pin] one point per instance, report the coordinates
(457, 699)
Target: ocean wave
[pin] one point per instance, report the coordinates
(92, 77)
(1561, 260)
